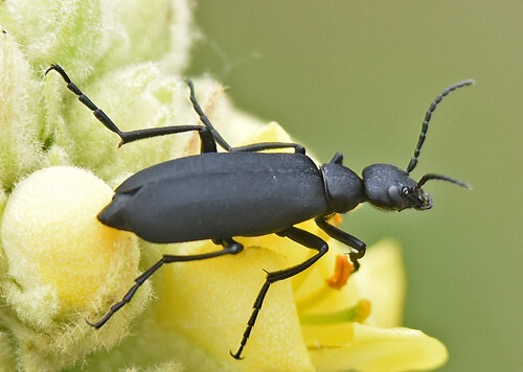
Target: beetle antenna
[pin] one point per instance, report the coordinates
(428, 115)
(433, 176)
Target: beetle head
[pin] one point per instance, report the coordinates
(391, 188)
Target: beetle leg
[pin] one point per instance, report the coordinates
(302, 237)
(358, 247)
(298, 149)
(219, 139)
(206, 133)
(208, 143)
(205, 120)
(230, 246)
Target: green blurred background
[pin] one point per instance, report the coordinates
(357, 77)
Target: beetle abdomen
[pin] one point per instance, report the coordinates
(219, 196)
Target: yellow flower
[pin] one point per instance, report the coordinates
(340, 338)
(60, 266)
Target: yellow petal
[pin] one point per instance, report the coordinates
(210, 302)
(370, 348)
(381, 280)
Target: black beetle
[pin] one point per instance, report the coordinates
(245, 192)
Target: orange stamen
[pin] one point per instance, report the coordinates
(343, 267)
(336, 219)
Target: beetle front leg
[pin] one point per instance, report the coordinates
(358, 247)
(302, 237)
(230, 246)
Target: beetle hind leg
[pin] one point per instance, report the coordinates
(302, 237)
(207, 134)
(230, 246)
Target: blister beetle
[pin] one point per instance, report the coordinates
(246, 192)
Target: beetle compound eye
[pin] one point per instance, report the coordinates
(398, 196)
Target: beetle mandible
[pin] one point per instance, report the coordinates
(272, 193)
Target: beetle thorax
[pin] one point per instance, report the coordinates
(343, 187)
